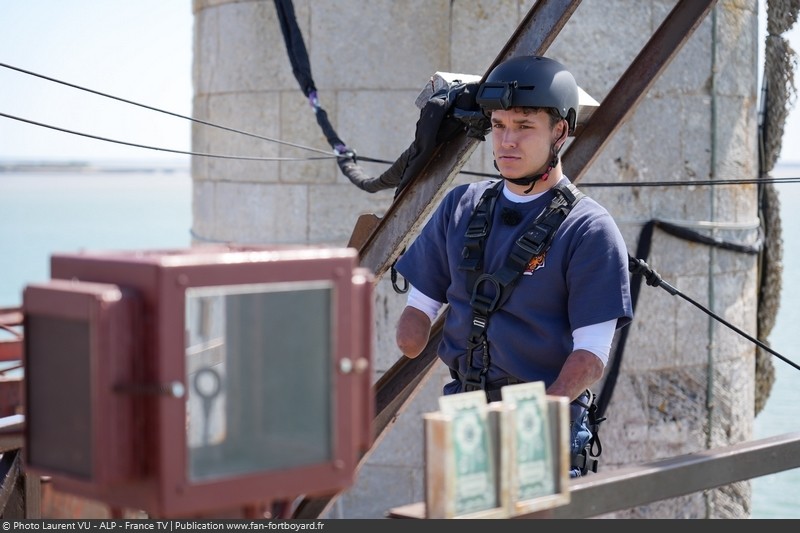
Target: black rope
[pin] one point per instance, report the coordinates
(298, 55)
(640, 271)
(693, 236)
(431, 127)
(301, 68)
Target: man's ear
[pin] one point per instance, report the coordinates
(563, 130)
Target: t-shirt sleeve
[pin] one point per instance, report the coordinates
(424, 263)
(598, 278)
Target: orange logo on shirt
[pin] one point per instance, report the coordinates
(534, 264)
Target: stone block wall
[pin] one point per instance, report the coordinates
(686, 382)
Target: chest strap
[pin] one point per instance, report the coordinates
(534, 242)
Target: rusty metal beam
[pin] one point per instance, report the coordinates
(632, 86)
(403, 219)
(11, 349)
(385, 238)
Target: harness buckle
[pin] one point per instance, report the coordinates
(485, 304)
(469, 383)
(477, 229)
(533, 241)
(479, 322)
(584, 462)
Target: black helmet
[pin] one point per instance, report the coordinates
(531, 81)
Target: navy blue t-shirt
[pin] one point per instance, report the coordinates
(582, 280)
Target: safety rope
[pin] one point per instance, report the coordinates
(438, 122)
(151, 108)
(640, 271)
(301, 68)
(184, 152)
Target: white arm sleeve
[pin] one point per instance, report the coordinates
(595, 338)
(429, 306)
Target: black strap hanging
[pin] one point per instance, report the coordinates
(301, 68)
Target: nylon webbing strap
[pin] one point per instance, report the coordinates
(534, 242)
(477, 230)
(537, 239)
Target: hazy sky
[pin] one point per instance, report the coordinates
(138, 50)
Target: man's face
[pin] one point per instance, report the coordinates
(522, 140)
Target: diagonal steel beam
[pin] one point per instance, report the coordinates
(398, 385)
(405, 216)
(665, 43)
(385, 238)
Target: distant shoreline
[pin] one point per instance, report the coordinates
(92, 167)
(159, 166)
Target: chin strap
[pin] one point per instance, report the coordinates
(531, 180)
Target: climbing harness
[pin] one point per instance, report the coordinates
(534, 242)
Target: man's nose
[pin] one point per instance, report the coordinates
(508, 138)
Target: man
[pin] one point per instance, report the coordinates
(542, 309)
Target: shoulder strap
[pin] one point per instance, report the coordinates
(480, 223)
(535, 241)
(537, 238)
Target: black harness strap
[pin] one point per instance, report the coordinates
(534, 242)
(477, 230)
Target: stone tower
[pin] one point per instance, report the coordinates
(686, 383)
